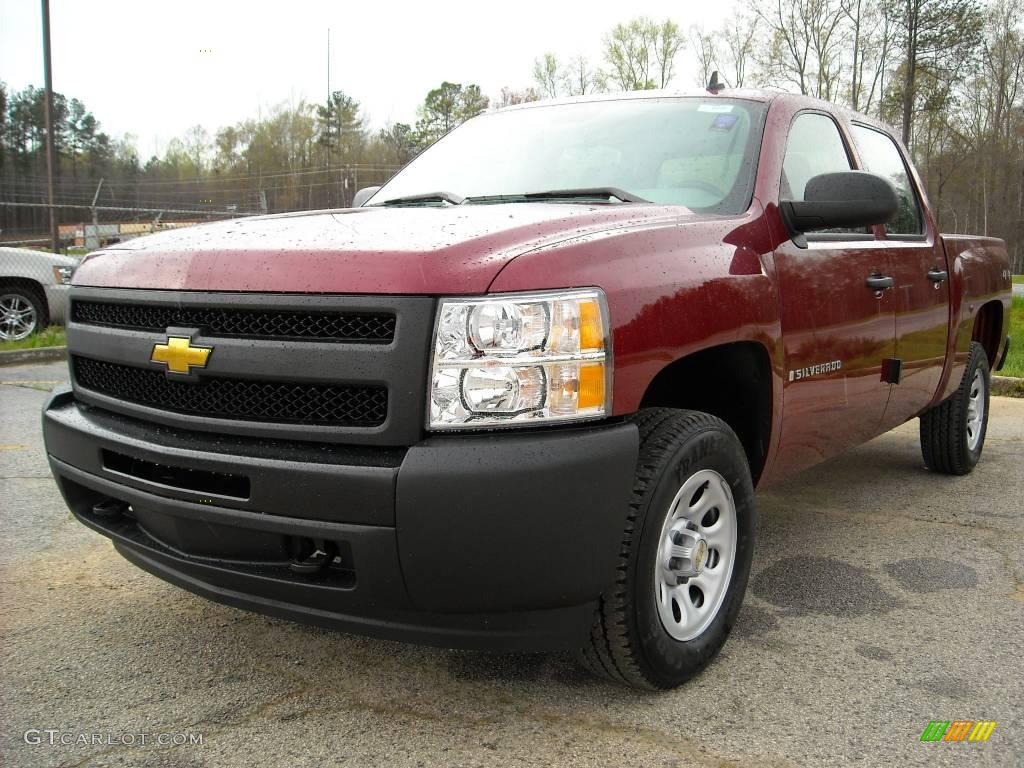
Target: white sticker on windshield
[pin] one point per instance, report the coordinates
(715, 108)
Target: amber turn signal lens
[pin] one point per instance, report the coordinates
(591, 392)
(591, 327)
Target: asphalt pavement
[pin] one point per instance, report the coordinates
(882, 597)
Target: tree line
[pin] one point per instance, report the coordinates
(948, 74)
(295, 156)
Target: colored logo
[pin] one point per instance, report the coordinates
(958, 730)
(179, 355)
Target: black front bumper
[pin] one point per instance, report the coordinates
(501, 541)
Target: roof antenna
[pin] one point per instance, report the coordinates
(714, 86)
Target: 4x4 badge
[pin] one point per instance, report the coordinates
(179, 355)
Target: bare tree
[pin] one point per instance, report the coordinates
(786, 57)
(706, 49)
(993, 105)
(827, 36)
(580, 78)
(940, 35)
(547, 75)
(641, 53)
(739, 37)
(628, 52)
(510, 97)
(805, 39)
(667, 43)
(197, 146)
(1003, 66)
(870, 38)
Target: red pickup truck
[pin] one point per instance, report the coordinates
(520, 398)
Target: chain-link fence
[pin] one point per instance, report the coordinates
(34, 281)
(93, 214)
(89, 208)
(82, 228)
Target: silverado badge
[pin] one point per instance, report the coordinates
(815, 370)
(179, 355)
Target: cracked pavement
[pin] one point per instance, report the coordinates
(882, 597)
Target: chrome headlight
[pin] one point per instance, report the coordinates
(512, 359)
(63, 275)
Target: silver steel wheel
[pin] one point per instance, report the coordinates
(696, 553)
(17, 317)
(975, 410)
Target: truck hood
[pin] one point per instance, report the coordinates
(446, 250)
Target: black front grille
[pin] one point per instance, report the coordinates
(359, 327)
(224, 398)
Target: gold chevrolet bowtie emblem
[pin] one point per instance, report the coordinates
(179, 355)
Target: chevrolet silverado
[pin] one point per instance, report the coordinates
(519, 397)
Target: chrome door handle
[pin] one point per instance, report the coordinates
(937, 275)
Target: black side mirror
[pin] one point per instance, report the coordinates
(842, 199)
(363, 195)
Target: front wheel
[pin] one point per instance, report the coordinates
(22, 312)
(685, 556)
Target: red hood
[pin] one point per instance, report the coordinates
(370, 250)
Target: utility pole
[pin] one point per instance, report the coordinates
(95, 239)
(328, 104)
(95, 219)
(51, 148)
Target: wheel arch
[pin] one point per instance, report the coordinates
(988, 330)
(731, 381)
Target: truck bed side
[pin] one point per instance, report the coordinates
(980, 292)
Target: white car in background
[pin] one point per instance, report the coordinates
(33, 291)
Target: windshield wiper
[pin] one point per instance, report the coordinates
(600, 193)
(583, 193)
(425, 197)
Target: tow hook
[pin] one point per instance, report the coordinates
(324, 553)
(109, 509)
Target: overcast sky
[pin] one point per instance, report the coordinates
(142, 67)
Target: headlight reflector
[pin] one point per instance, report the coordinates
(520, 358)
(501, 389)
(506, 328)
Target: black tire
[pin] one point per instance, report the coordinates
(33, 296)
(628, 642)
(946, 436)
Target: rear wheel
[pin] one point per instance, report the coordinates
(22, 312)
(953, 432)
(685, 556)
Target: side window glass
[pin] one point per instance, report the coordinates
(880, 155)
(814, 147)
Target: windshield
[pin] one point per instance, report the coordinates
(697, 152)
